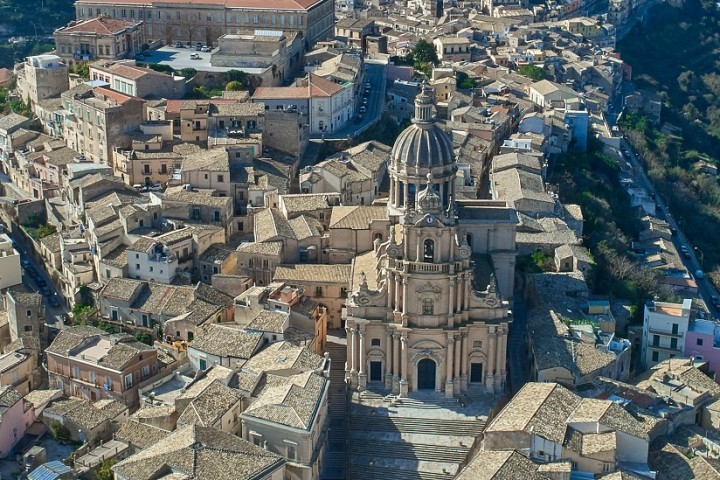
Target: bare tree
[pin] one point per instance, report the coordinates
(189, 25)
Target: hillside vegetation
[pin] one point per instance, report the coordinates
(677, 53)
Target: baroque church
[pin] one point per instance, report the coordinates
(429, 307)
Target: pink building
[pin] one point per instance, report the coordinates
(702, 341)
(14, 419)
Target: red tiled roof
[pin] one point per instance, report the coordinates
(322, 87)
(117, 97)
(257, 4)
(100, 25)
(277, 93)
(174, 106)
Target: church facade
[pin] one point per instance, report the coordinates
(428, 307)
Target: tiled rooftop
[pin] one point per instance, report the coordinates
(201, 453)
(226, 341)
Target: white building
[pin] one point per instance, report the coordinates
(10, 272)
(149, 259)
(664, 328)
(330, 105)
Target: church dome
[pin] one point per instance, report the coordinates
(423, 144)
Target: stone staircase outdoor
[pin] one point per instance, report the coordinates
(334, 467)
(425, 437)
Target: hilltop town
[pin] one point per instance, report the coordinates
(306, 239)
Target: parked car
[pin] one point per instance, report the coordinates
(156, 188)
(179, 45)
(47, 292)
(53, 301)
(195, 56)
(40, 281)
(198, 46)
(699, 274)
(363, 109)
(205, 49)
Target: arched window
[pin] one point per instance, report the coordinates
(428, 306)
(429, 251)
(377, 236)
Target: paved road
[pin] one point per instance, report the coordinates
(706, 290)
(374, 74)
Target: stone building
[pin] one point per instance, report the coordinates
(206, 20)
(98, 38)
(41, 77)
(416, 319)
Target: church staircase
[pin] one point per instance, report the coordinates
(425, 437)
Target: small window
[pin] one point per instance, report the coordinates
(291, 452)
(28, 313)
(655, 356)
(128, 380)
(477, 344)
(375, 342)
(428, 306)
(27, 328)
(221, 178)
(699, 342)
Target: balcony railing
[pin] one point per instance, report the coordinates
(666, 348)
(657, 331)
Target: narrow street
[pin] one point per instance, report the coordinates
(517, 345)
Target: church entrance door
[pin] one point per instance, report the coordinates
(476, 372)
(426, 374)
(376, 371)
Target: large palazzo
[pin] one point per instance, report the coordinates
(428, 307)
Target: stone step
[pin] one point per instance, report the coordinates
(408, 451)
(381, 473)
(403, 467)
(417, 425)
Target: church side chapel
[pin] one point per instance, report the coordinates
(428, 308)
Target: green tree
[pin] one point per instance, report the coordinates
(82, 314)
(144, 337)
(464, 81)
(46, 230)
(236, 76)
(424, 55)
(105, 471)
(234, 86)
(82, 69)
(533, 72)
(60, 432)
(188, 72)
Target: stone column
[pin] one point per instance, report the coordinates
(404, 359)
(451, 310)
(396, 363)
(353, 355)
(468, 287)
(449, 367)
(405, 296)
(397, 292)
(388, 281)
(490, 375)
(388, 358)
(464, 363)
(348, 349)
(456, 374)
(397, 193)
(362, 375)
(460, 291)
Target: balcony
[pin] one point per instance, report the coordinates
(662, 348)
(162, 258)
(657, 331)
